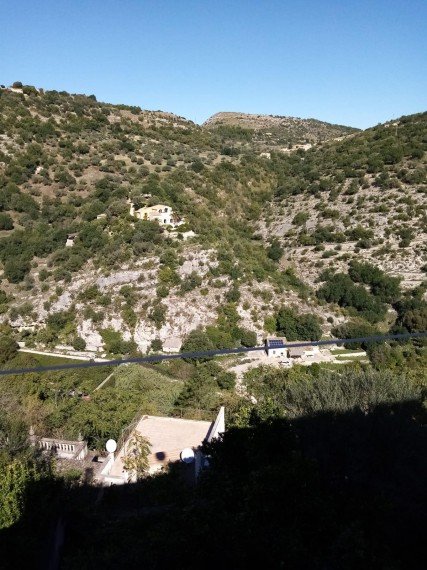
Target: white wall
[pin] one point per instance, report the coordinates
(277, 351)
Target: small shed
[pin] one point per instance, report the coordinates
(297, 351)
(302, 351)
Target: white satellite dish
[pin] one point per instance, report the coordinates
(111, 446)
(187, 455)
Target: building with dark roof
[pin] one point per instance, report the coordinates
(280, 346)
(275, 346)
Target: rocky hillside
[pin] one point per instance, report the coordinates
(69, 166)
(271, 131)
(362, 198)
(257, 229)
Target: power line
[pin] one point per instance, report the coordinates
(225, 351)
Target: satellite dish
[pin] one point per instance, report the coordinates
(187, 455)
(111, 446)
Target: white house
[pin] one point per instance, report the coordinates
(160, 213)
(275, 346)
(169, 438)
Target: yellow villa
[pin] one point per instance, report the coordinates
(162, 213)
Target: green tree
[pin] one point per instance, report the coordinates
(248, 338)
(298, 327)
(156, 345)
(197, 341)
(220, 338)
(191, 282)
(8, 348)
(135, 460)
(270, 324)
(6, 222)
(200, 391)
(115, 344)
(226, 380)
(15, 480)
(386, 288)
(16, 269)
(162, 291)
(340, 289)
(158, 315)
(197, 166)
(13, 483)
(233, 295)
(300, 219)
(44, 274)
(168, 276)
(79, 343)
(275, 251)
(356, 329)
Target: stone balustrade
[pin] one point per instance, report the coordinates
(63, 449)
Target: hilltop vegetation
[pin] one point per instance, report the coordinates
(273, 132)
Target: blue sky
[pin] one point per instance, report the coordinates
(343, 61)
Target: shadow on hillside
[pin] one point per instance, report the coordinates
(332, 491)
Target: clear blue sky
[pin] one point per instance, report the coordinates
(354, 62)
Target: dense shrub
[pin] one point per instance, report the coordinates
(296, 326)
(340, 289)
(6, 222)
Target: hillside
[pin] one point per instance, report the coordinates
(362, 198)
(256, 231)
(70, 165)
(277, 132)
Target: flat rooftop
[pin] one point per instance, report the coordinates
(167, 437)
